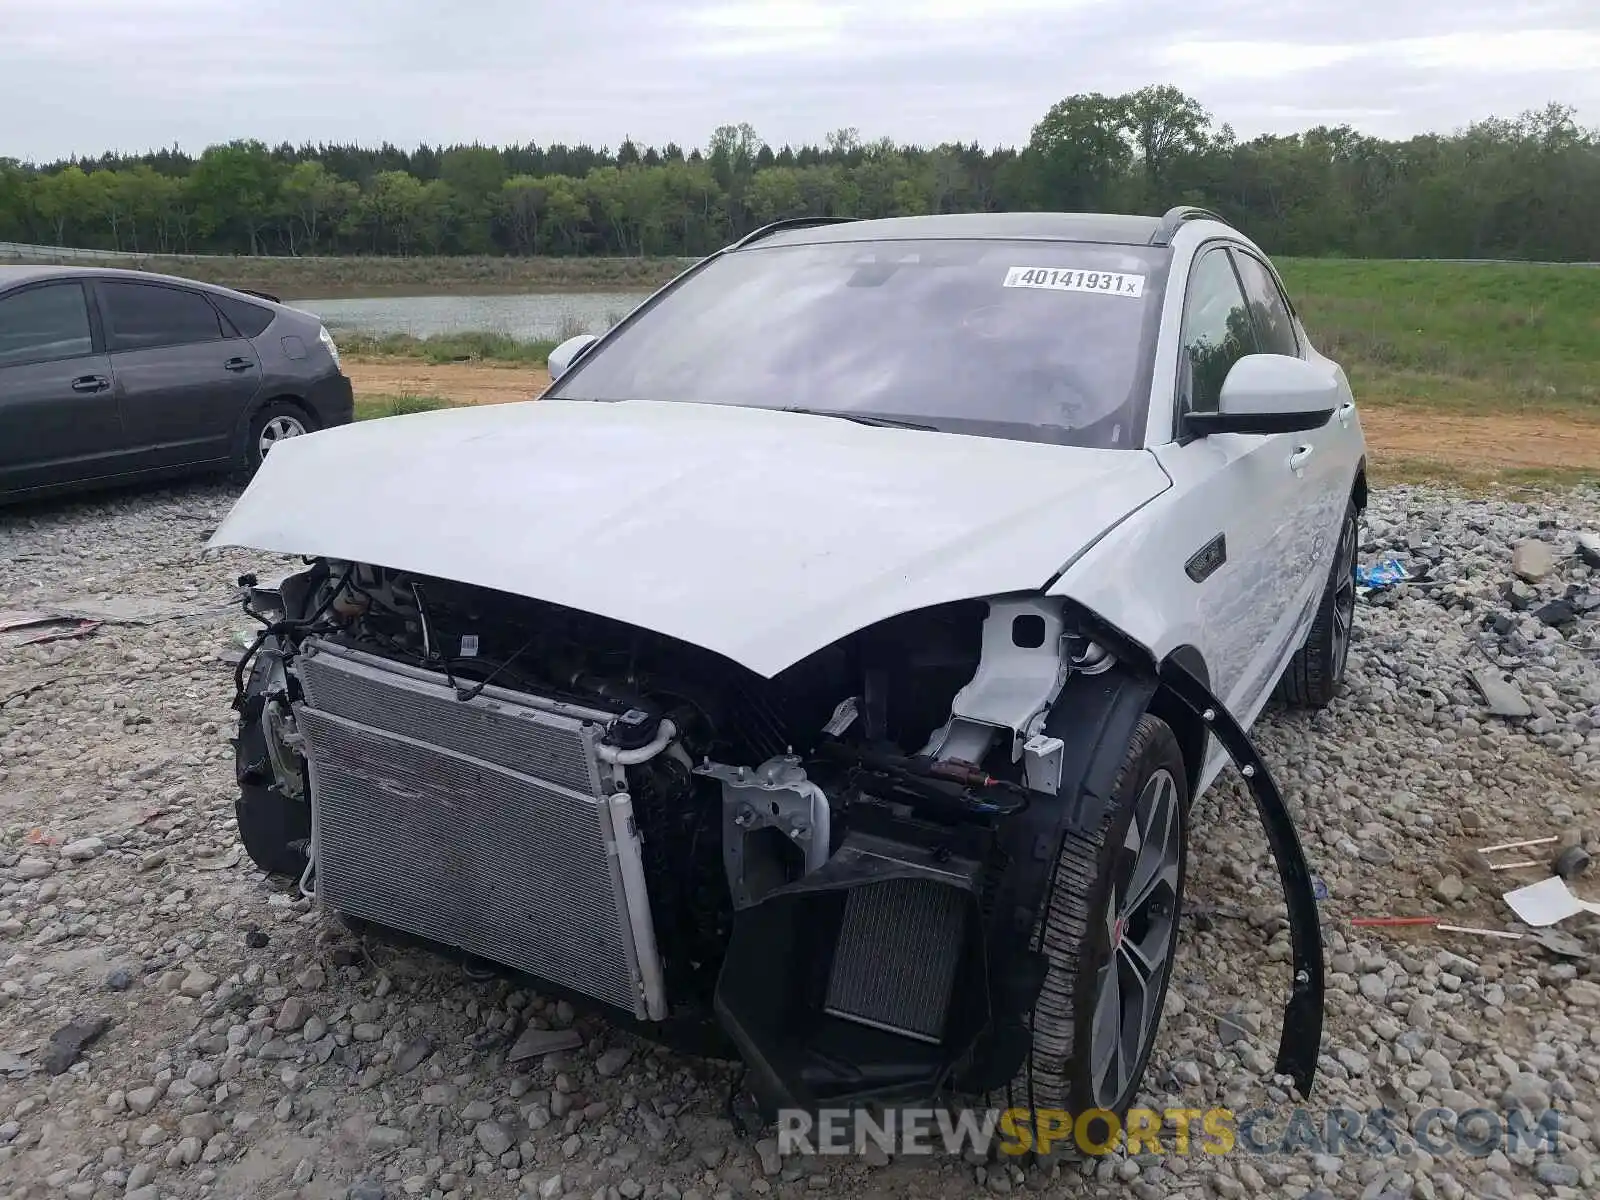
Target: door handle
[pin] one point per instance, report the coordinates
(1346, 411)
(237, 364)
(1297, 460)
(90, 383)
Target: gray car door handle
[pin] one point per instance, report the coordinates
(90, 383)
(1297, 460)
(237, 364)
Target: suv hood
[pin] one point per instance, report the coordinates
(760, 535)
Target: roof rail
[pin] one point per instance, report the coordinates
(1174, 219)
(755, 235)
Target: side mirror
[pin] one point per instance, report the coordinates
(1271, 393)
(561, 358)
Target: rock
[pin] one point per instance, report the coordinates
(255, 939)
(83, 849)
(1187, 1073)
(550, 1188)
(294, 1014)
(767, 1153)
(68, 1042)
(1500, 692)
(536, 1042)
(202, 1075)
(1556, 1174)
(196, 984)
(1583, 993)
(1589, 549)
(439, 1094)
(1449, 888)
(612, 1061)
(383, 1138)
(1533, 560)
(142, 1099)
(494, 1138)
(119, 979)
(412, 1056)
(1374, 988)
(367, 1189)
(32, 868)
(366, 1033)
(1558, 613)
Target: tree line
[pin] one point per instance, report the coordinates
(1500, 188)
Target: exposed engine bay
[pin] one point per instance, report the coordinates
(839, 866)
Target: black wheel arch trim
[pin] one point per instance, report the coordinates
(1177, 677)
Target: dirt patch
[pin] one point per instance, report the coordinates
(1519, 442)
(461, 383)
(1396, 435)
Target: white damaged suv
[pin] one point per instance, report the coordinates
(823, 668)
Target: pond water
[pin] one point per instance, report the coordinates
(527, 316)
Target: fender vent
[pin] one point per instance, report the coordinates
(896, 957)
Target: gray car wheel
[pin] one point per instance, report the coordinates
(277, 422)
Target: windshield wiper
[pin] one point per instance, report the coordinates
(875, 419)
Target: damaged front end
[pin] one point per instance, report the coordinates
(839, 870)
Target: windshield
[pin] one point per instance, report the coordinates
(1043, 341)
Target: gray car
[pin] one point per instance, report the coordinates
(114, 376)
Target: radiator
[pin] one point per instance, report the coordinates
(895, 961)
(479, 824)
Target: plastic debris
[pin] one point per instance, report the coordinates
(68, 1042)
(1571, 862)
(1547, 902)
(1380, 577)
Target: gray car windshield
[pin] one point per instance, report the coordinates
(1042, 341)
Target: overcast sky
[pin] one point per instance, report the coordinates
(83, 76)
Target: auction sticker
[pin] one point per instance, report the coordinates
(1055, 279)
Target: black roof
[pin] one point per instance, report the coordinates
(17, 273)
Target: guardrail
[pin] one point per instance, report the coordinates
(20, 251)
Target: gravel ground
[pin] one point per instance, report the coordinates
(257, 1049)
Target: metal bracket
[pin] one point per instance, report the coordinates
(776, 795)
(1302, 1016)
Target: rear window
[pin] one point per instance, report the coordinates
(1043, 341)
(249, 319)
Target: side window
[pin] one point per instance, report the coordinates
(41, 324)
(1216, 331)
(249, 319)
(1274, 325)
(140, 316)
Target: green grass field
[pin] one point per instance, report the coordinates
(1469, 337)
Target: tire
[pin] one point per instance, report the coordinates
(274, 827)
(274, 422)
(1316, 672)
(1084, 928)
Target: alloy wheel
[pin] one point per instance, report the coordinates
(1344, 595)
(1141, 921)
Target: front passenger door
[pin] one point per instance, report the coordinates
(1243, 490)
(183, 375)
(58, 418)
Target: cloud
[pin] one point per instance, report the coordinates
(193, 72)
